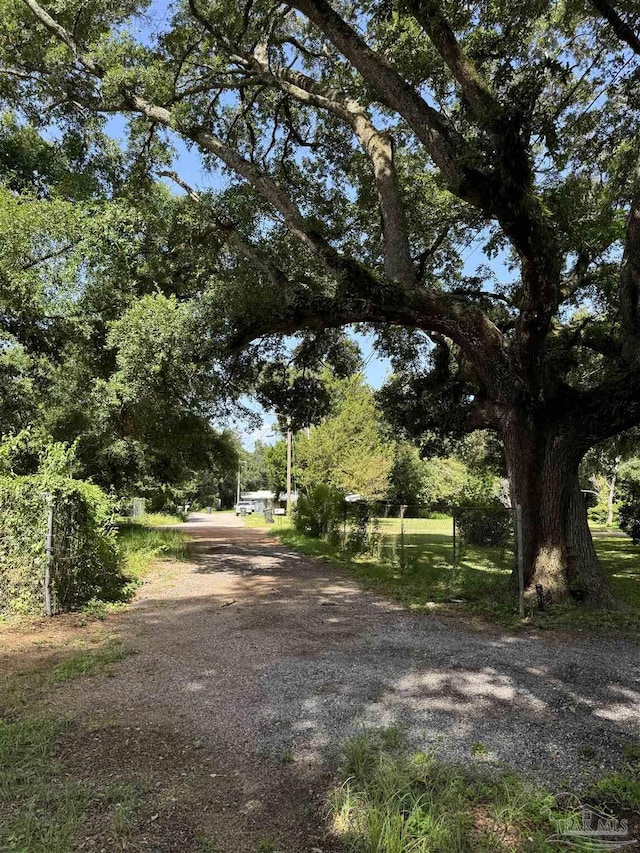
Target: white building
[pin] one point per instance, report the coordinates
(260, 499)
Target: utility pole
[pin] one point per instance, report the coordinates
(289, 454)
(238, 489)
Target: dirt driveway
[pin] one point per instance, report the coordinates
(253, 664)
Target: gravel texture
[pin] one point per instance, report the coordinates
(255, 651)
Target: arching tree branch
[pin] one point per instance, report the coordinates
(487, 110)
(377, 145)
(469, 328)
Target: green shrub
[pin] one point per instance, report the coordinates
(85, 562)
(320, 512)
(629, 512)
(600, 512)
(490, 525)
(363, 534)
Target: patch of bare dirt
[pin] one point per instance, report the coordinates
(192, 796)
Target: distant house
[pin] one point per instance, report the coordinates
(260, 500)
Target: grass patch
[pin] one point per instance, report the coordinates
(89, 662)
(140, 545)
(159, 519)
(621, 789)
(126, 801)
(397, 802)
(256, 519)
(25, 754)
(44, 812)
(426, 579)
(23, 690)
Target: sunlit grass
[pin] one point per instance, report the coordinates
(256, 519)
(24, 689)
(88, 662)
(393, 801)
(421, 574)
(156, 519)
(417, 568)
(140, 545)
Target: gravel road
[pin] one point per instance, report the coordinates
(262, 655)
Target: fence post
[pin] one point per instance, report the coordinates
(453, 521)
(402, 509)
(48, 550)
(520, 549)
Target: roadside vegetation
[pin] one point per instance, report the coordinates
(139, 545)
(480, 582)
(90, 559)
(393, 800)
(140, 542)
(159, 519)
(48, 804)
(90, 654)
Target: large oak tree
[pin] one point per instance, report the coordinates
(367, 146)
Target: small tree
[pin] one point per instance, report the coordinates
(320, 512)
(407, 475)
(601, 467)
(348, 450)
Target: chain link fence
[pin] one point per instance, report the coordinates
(484, 535)
(409, 535)
(57, 548)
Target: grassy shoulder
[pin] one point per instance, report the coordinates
(256, 519)
(140, 543)
(479, 583)
(46, 653)
(90, 656)
(392, 800)
(158, 519)
(49, 805)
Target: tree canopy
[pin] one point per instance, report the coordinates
(358, 152)
(93, 354)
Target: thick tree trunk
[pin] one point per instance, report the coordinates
(558, 549)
